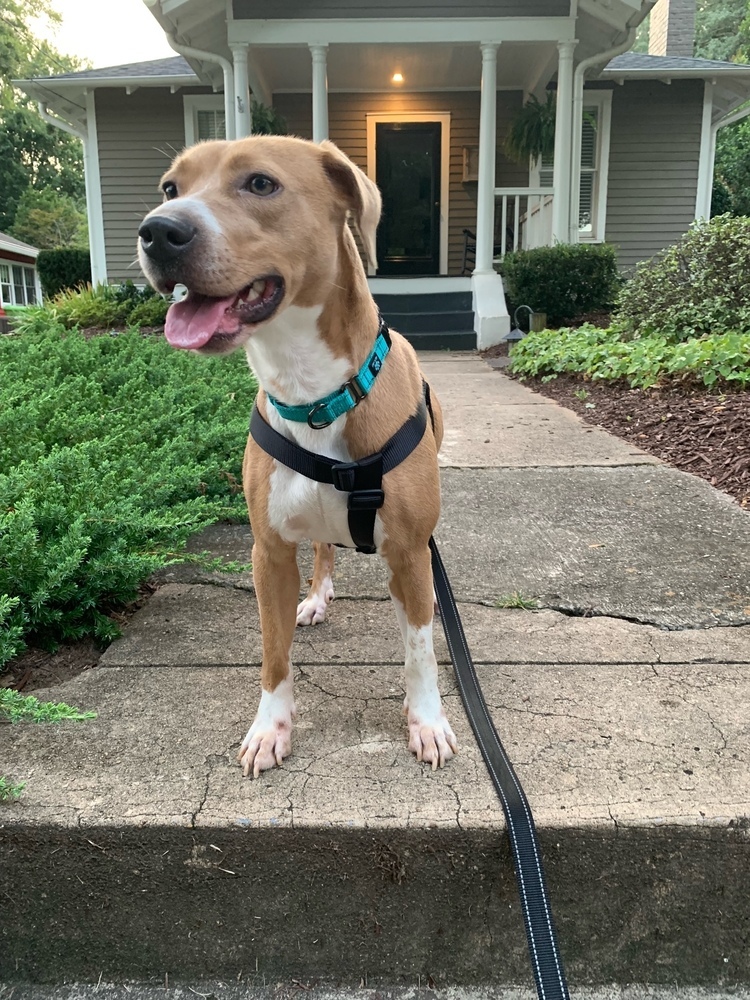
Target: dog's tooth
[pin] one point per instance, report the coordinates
(259, 286)
(252, 294)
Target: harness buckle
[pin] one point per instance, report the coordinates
(344, 476)
(366, 500)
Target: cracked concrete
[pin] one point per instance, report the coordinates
(138, 848)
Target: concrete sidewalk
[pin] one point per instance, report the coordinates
(623, 701)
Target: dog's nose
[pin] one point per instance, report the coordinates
(164, 238)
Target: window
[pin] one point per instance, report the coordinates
(17, 285)
(204, 117)
(597, 114)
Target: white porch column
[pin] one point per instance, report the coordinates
(319, 92)
(486, 165)
(242, 115)
(563, 143)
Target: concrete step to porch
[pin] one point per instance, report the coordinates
(138, 849)
(437, 321)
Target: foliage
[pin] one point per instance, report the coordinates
(532, 132)
(12, 627)
(649, 361)
(267, 121)
(733, 165)
(719, 32)
(698, 286)
(564, 281)
(113, 450)
(518, 601)
(32, 153)
(48, 220)
(109, 306)
(63, 268)
(16, 707)
(10, 791)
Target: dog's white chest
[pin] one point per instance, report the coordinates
(299, 508)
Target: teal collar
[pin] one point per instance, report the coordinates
(325, 411)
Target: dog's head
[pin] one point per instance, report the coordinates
(251, 227)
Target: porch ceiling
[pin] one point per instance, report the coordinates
(353, 68)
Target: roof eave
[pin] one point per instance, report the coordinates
(674, 74)
(87, 83)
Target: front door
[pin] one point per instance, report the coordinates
(407, 168)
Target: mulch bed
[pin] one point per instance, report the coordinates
(707, 434)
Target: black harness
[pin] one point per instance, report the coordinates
(363, 481)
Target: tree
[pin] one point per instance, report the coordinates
(49, 220)
(33, 154)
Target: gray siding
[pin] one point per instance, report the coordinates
(348, 129)
(263, 10)
(138, 137)
(653, 166)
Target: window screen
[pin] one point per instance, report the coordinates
(211, 125)
(589, 169)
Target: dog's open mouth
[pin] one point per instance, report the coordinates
(198, 319)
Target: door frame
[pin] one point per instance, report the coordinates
(443, 118)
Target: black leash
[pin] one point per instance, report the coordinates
(363, 481)
(546, 962)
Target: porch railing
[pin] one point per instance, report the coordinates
(525, 219)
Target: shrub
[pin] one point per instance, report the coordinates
(564, 281)
(113, 450)
(64, 268)
(109, 306)
(701, 285)
(645, 362)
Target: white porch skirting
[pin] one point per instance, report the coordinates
(491, 319)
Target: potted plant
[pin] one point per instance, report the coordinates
(532, 131)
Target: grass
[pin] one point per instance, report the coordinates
(518, 601)
(16, 707)
(10, 791)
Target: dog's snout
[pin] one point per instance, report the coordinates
(165, 237)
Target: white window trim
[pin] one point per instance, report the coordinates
(191, 105)
(603, 99)
(444, 119)
(31, 267)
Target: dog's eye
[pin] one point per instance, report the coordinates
(260, 184)
(170, 190)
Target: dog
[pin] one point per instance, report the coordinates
(258, 231)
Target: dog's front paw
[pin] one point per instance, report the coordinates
(432, 741)
(265, 746)
(312, 611)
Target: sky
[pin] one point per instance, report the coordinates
(106, 32)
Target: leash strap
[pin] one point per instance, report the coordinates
(544, 951)
(325, 411)
(362, 480)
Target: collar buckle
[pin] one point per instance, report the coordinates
(355, 389)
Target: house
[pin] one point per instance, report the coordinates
(19, 281)
(421, 94)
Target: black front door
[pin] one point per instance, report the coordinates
(407, 165)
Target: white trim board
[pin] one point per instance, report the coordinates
(704, 191)
(191, 104)
(95, 209)
(444, 120)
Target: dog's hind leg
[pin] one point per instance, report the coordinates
(430, 735)
(276, 579)
(313, 609)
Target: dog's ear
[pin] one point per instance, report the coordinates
(358, 193)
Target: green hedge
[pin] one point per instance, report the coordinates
(564, 281)
(113, 450)
(64, 268)
(601, 354)
(701, 285)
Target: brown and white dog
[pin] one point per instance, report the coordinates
(257, 231)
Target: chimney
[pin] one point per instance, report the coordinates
(672, 31)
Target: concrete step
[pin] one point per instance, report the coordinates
(430, 321)
(138, 848)
(424, 301)
(250, 987)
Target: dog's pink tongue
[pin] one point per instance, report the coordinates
(192, 322)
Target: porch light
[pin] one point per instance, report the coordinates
(397, 78)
